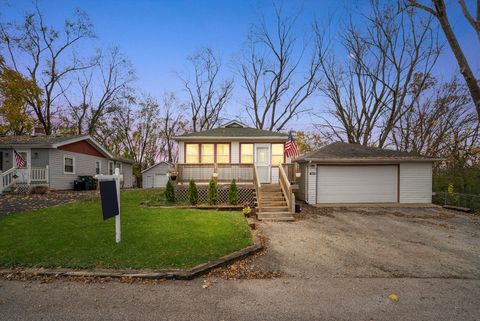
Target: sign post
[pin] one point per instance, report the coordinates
(110, 197)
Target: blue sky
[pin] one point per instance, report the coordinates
(158, 35)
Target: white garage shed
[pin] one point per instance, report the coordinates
(156, 176)
(351, 173)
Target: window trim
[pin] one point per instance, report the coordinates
(65, 156)
(271, 154)
(99, 167)
(200, 152)
(113, 167)
(240, 153)
(118, 165)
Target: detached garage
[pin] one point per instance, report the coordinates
(351, 173)
(156, 176)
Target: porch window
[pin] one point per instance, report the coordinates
(98, 167)
(277, 154)
(246, 153)
(223, 153)
(68, 165)
(208, 154)
(192, 153)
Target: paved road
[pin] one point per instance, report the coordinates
(275, 299)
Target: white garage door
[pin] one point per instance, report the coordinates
(356, 184)
(160, 180)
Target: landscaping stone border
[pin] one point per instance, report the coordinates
(167, 274)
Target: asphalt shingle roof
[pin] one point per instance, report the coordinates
(235, 132)
(347, 151)
(36, 140)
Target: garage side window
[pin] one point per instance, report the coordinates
(68, 164)
(277, 154)
(110, 168)
(192, 153)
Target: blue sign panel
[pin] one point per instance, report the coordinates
(108, 195)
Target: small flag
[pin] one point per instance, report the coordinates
(291, 149)
(19, 160)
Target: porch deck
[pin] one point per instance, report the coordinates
(23, 176)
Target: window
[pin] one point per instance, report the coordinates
(110, 168)
(98, 167)
(277, 154)
(223, 153)
(68, 165)
(246, 153)
(208, 154)
(119, 166)
(191, 153)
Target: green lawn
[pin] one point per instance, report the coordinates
(75, 235)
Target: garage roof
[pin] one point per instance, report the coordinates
(355, 153)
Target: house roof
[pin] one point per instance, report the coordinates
(355, 153)
(234, 130)
(153, 166)
(48, 141)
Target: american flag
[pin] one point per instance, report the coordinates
(19, 160)
(291, 149)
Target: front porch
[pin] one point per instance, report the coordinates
(274, 199)
(23, 178)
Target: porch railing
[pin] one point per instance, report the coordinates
(7, 179)
(291, 172)
(39, 174)
(201, 173)
(257, 185)
(287, 189)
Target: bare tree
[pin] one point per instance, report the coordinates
(101, 89)
(172, 123)
(207, 93)
(388, 66)
(439, 11)
(277, 85)
(442, 123)
(45, 48)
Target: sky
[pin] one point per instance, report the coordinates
(158, 36)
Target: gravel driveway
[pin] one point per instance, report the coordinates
(376, 242)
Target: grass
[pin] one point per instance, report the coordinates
(75, 236)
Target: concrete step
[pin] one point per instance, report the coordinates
(274, 209)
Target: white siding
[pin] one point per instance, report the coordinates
(311, 177)
(416, 183)
(181, 152)
(357, 184)
(84, 165)
(235, 150)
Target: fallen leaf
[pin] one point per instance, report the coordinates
(394, 297)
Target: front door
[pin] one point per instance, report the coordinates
(262, 161)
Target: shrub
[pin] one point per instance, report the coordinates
(40, 189)
(192, 193)
(212, 192)
(233, 193)
(170, 193)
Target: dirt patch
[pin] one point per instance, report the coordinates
(13, 203)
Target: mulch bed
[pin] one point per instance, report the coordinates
(13, 203)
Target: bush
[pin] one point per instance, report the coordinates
(170, 193)
(212, 192)
(233, 193)
(192, 193)
(40, 189)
